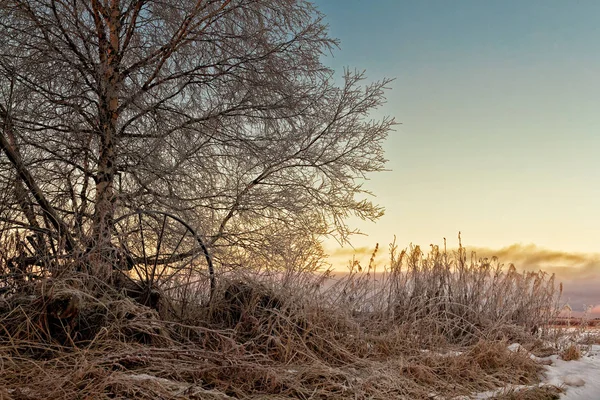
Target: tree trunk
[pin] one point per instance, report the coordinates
(107, 21)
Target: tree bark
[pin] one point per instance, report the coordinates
(106, 21)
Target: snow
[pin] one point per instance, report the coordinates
(580, 379)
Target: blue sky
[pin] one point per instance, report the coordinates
(499, 106)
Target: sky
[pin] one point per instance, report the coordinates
(498, 103)
(499, 135)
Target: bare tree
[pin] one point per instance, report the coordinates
(220, 110)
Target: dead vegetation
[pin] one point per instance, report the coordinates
(546, 392)
(358, 336)
(572, 352)
(121, 122)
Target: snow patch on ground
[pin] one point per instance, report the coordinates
(580, 378)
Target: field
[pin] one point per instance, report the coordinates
(440, 325)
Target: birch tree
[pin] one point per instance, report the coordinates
(220, 111)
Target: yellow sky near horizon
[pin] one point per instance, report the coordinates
(499, 130)
(578, 271)
(524, 256)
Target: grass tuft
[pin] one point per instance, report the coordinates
(572, 352)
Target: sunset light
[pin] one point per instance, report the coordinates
(300, 199)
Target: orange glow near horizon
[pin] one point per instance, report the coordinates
(579, 272)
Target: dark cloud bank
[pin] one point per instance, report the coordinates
(579, 272)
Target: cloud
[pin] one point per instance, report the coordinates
(570, 267)
(579, 272)
(347, 253)
(532, 255)
(595, 310)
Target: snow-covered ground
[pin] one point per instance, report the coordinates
(580, 379)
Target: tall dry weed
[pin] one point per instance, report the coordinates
(445, 293)
(427, 325)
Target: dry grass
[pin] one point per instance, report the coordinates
(431, 325)
(590, 338)
(573, 352)
(546, 392)
(540, 348)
